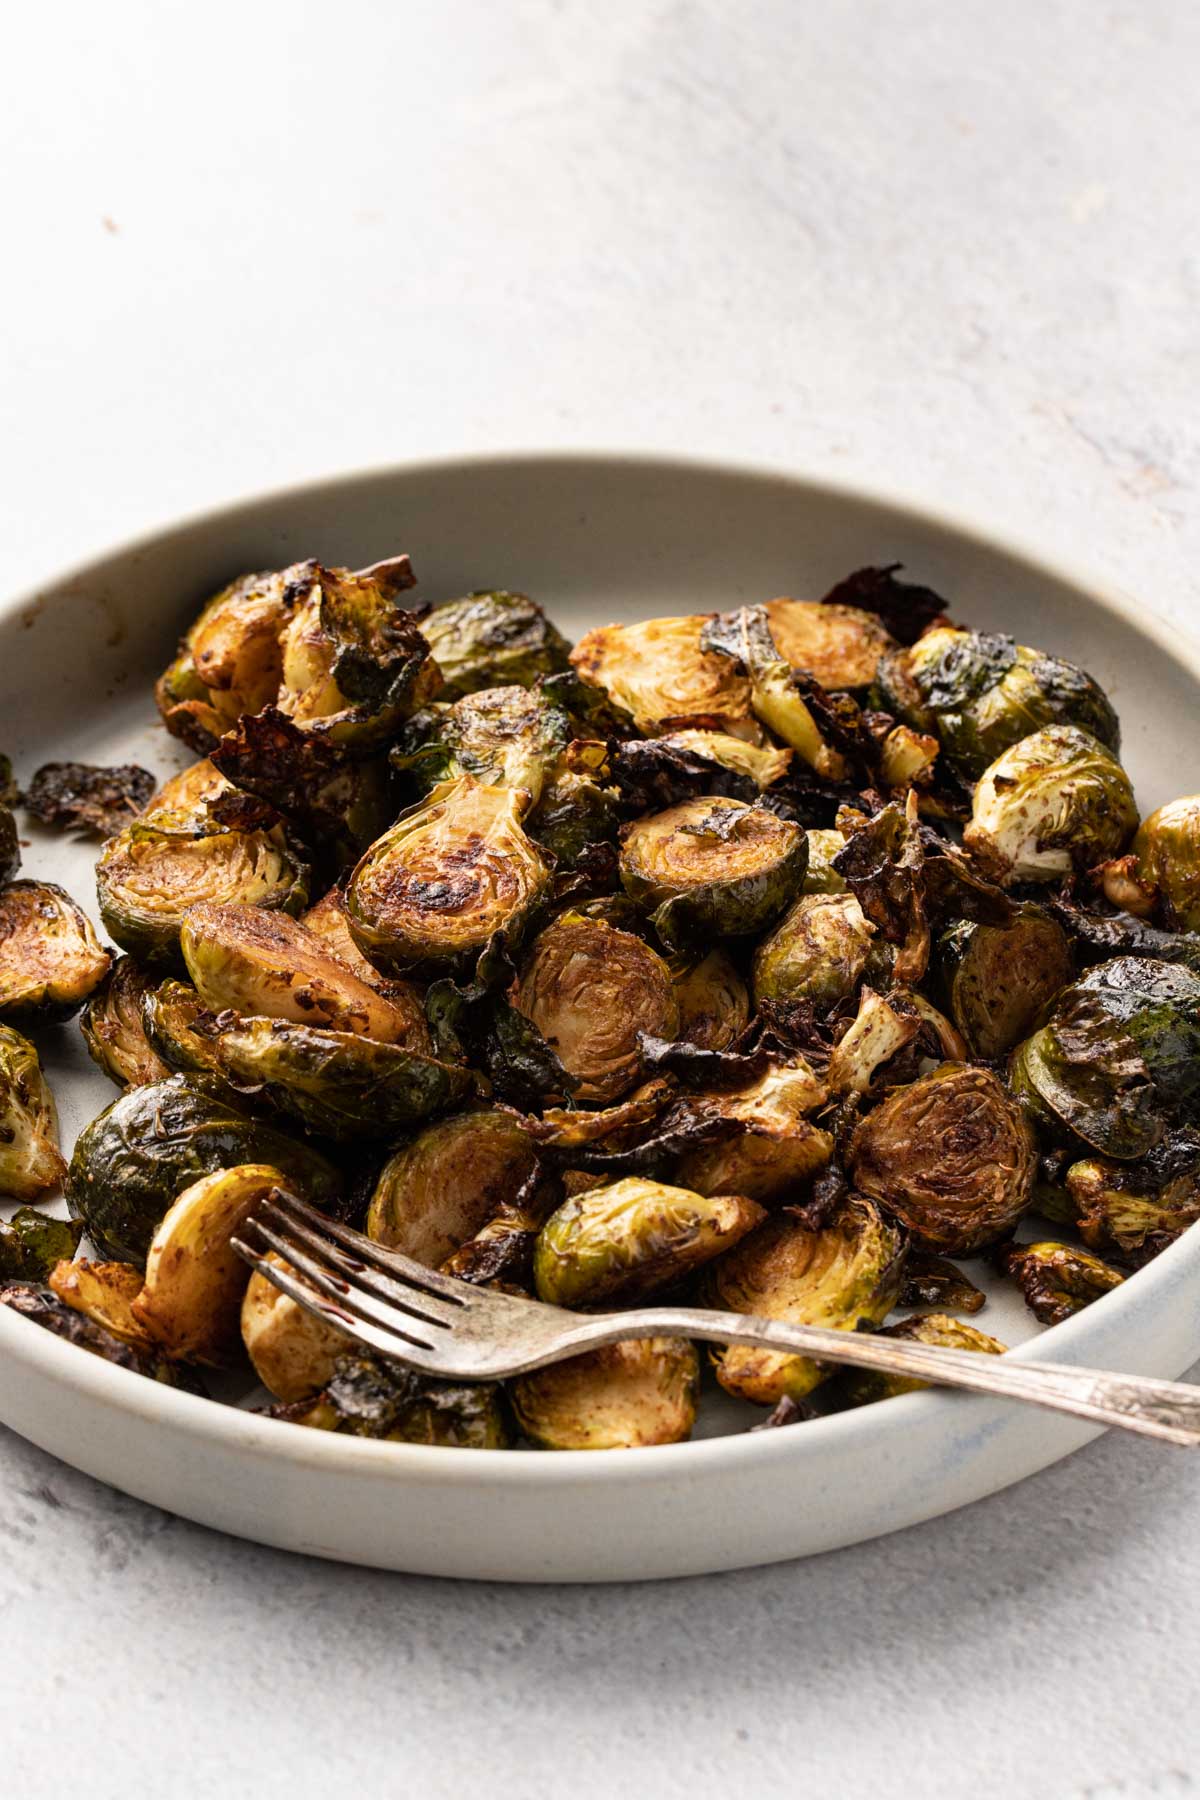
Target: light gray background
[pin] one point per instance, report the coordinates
(948, 247)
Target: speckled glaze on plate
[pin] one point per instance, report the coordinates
(594, 538)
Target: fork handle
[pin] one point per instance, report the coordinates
(1169, 1410)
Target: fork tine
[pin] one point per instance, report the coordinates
(458, 1293)
(421, 1305)
(345, 1294)
(403, 1349)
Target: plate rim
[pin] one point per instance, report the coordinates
(202, 1418)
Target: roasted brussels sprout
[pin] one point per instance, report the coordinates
(840, 645)
(30, 1161)
(1057, 801)
(931, 1280)
(113, 1028)
(680, 765)
(45, 1308)
(713, 1001)
(504, 736)
(81, 797)
(860, 1387)
(1057, 1280)
(657, 673)
(907, 758)
(440, 1188)
(999, 979)
(624, 1397)
(229, 663)
(32, 1243)
(337, 1083)
(789, 702)
(294, 1352)
(1119, 1058)
(191, 1298)
(623, 1241)
(821, 877)
(713, 867)
(332, 797)
(490, 638)
(769, 1147)
(447, 877)
(50, 958)
(373, 1398)
(839, 1275)
(268, 964)
(591, 990)
(181, 1032)
(173, 858)
(982, 693)
(576, 818)
(950, 1155)
(1134, 1210)
(1167, 860)
(137, 1156)
(104, 1293)
(355, 663)
(820, 951)
(878, 1033)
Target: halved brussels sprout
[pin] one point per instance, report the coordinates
(174, 858)
(999, 979)
(32, 1244)
(1054, 802)
(839, 1275)
(820, 951)
(950, 1155)
(591, 990)
(191, 1299)
(623, 1397)
(779, 696)
(505, 736)
(449, 875)
(229, 663)
(617, 1243)
(267, 964)
(45, 1308)
(355, 663)
(1118, 1059)
(440, 1188)
(50, 957)
(30, 1160)
(1167, 860)
(1134, 1210)
(176, 1022)
(771, 1148)
(712, 868)
(337, 1083)
(713, 1001)
(984, 692)
(1057, 1280)
(490, 638)
(861, 1387)
(657, 673)
(374, 1398)
(104, 1293)
(294, 1353)
(137, 1156)
(113, 1028)
(840, 645)
(821, 877)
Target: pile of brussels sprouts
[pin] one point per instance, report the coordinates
(774, 959)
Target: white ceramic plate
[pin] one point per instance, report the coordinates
(593, 538)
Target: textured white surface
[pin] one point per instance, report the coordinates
(948, 247)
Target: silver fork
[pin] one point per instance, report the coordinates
(455, 1331)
